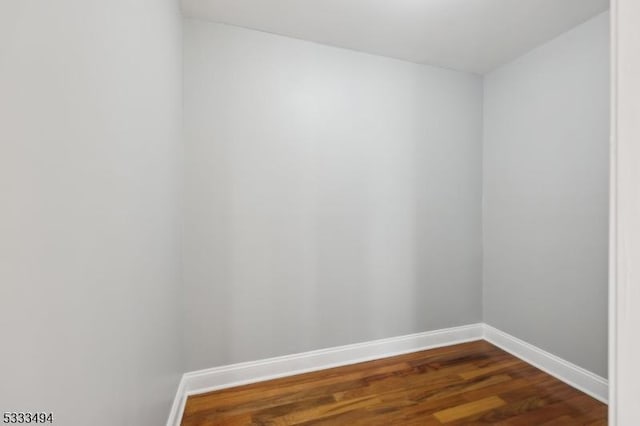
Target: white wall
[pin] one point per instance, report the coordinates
(331, 196)
(625, 216)
(546, 142)
(90, 109)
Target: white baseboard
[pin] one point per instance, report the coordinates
(211, 379)
(256, 371)
(177, 408)
(571, 374)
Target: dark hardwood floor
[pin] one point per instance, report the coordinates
(471, 383)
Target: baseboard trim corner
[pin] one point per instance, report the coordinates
(244, 373)
(573, 375)
(212, 379)
(177, 407)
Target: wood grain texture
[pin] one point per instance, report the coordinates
(471, 383)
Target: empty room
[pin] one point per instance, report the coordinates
(327, 212)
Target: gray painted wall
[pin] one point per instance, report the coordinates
(332, 197)
(546, 132)
(89, 172)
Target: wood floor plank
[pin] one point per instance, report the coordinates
(470, 383)
(479, 372)
(465, 410)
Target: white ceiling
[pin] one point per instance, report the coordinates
(469, 35)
